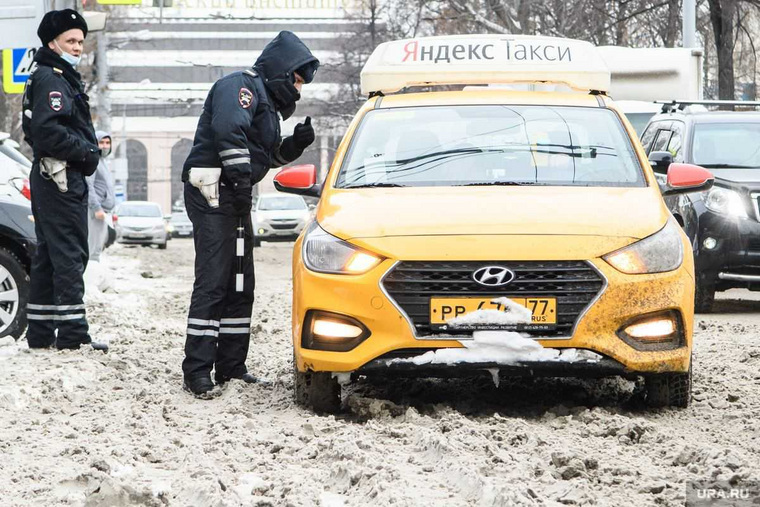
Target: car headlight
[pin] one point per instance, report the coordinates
(324, 253)
(725, 201)
(660, 252)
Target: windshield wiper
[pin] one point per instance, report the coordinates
(376, 185)
(727, 166)
(497, 183)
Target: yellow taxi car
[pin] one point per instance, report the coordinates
(483, 176)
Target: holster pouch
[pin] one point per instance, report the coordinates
(206, 179)
(54, 169)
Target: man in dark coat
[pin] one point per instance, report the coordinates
(237, 141)
(58, 127)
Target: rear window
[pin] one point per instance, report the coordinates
(726, 145)
(491, 145)
(138, 210)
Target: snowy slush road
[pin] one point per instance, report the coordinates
(83, 428)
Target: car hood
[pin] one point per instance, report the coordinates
(737, 175)
(140, 221)
(627, 213)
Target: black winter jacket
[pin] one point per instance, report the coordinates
(239, 129)
(56, 113)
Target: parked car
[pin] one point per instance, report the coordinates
(723, 223)
(448, 212)
(140, 223)
(182, 227)
(278, 217)
(18, 244)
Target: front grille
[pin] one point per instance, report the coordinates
(282, 227)
(754, 245)
(573, 283)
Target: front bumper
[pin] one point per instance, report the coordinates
(268, 231)
(625, 297)
(734, 261)
(147, 238)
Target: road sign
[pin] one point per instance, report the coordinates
(17, 65)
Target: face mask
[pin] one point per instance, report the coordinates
(104, 152)
(67, 57)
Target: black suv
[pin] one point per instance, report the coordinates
(723, 223)
(18, 243)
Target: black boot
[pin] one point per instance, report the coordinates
(99, 346)
(245, 377)
(199, 385)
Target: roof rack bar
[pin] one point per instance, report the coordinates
(745, 103)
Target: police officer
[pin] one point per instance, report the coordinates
(57, 125)
(237, 141)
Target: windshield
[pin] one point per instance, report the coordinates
(137, 210)
(726, 145)
(490, 145)
(284, 202)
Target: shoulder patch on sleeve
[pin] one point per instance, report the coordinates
(55, 100)
(245, 97)
(56, 69)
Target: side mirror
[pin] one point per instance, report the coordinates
(686, 178)
(660, 161)
(299, 180)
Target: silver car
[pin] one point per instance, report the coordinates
(140, 223)
(279, 217)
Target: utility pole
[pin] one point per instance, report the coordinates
(104, 99)
(689, 16)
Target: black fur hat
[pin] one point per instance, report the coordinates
(54, 23)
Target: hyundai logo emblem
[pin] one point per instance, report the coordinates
(493, 276)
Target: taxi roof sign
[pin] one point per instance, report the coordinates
(484, 59)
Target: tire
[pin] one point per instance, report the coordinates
(162, 246)
(256, 243)
(318, 391)
(17, 279)
(669, 390)
(704, 296)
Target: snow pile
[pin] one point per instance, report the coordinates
(514, 314)
(500, 347)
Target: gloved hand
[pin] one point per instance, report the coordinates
(90, 162)
(303, 134)
(242, 199)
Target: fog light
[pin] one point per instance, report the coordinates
(656, 331)
(710, 243)
(332, 331)
(261, 231)
(652, 330)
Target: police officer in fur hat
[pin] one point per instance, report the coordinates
(57, 125)
(236, 143)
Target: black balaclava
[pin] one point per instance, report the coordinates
(276, 65)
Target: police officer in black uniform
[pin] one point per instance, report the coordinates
(238, 136)
(57, 125)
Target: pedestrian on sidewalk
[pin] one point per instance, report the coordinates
(58, 127)
(236, 143)
(101, 199)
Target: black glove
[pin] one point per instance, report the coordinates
(90, 162)
(303, 135)
(242, 199)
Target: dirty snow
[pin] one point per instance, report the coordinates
(88, 429)
(513, 314)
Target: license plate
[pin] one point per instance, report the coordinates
(137, 236)
(544, 313)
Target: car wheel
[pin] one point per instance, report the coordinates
(669, 390)
(256, 243)
(317, 390)
(704, 296)
(14, 294)
(162, 246)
